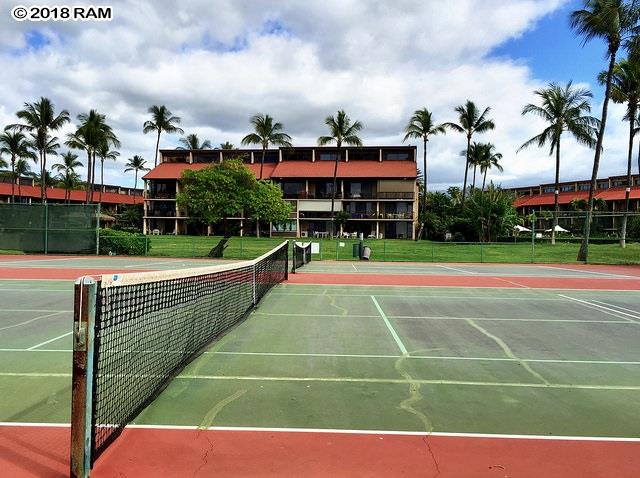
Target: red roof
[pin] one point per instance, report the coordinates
(613, 194)
(304, 169)
(76, 195)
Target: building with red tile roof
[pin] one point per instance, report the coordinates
(376, 186)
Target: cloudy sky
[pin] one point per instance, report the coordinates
(217, 62)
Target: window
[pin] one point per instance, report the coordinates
(603, 186)
(583, 187)
(206, 157)
(269, 157)
(293, 190)
(296, 154)
(396, 156)
(568, 188)
(364, 155)
(619, 182)
(548, 189)
(327, 156)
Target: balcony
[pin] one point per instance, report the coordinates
(396, 195)
(171, 196)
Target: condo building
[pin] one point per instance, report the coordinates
(376, 187)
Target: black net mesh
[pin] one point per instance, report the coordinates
(145, 333)
(301, 255)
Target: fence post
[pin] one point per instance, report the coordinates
(46, 228)
(481, 255)
(432, 252)
(384, 250)
(146, 245)
(533, 238)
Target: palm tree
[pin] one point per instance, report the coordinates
(612, 21)
(104, 152)
(21, 169)
(490, 159)
(162, 120)
(69, 180)
(191, 141)
(3, 163)
(137, 163)
(341, 131)
(474, 155)
(470, 121)
(226, 145)
(91, 134)
(40, 119)
(44, 180)
(69, 163)
(266, 132)
(15, 144)
(625, 88)
(564, 108)
(45, 144)
(421, 126)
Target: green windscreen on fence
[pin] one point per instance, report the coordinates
(49, 228)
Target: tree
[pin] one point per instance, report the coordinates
(470, 121)
(3, 163)
(69, 163)
(91, 134)
(44, 181)
(612, 21)
(46, 145)
(625, 88)
(489, 159)
(422, 126)
(15, 144)
(491, 212)
(563, 109)
(21, 169)
(267, 204)
(69, 180)
(39, 118)
(474, 155)
(191, 141)
(226, 145)
(162, 120)
(104, 152)
(218, 192)
(341, 131)
(266, 132)
(137, 163)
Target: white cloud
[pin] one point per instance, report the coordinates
(215, 63)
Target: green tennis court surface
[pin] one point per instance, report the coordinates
(508, 361)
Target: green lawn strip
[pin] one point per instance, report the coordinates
(403, 250)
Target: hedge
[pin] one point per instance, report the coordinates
(113, 242)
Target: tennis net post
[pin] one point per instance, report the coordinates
(84, 309)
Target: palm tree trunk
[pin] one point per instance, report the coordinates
(13, 177)
(473, 185)
(466, 171)
(135, 184)
(93, 173)
(43, 183)
(157, 146)
(88, 185)
(556, 194)
(262, 162)
(333, 190)
(583, 253)
(101, 180)
(484, 179)
(632, 117)
(424, 171)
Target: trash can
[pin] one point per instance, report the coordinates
(356, 250)
(366, 252)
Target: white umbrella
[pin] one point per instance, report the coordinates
(520, 228)
(558, 229)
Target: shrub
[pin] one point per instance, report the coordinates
(120, 242)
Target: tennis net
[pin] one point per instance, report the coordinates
(133, 333)
(301, 255)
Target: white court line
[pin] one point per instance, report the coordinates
(354, 267)
(603, 308)
(34, 310)
(49, 341)
(346, 432)
(369, 356)
(616, 306)
(609, 274)
(10, 263)
(32, 320)
(391, 381)
(31, 289)
(142, 266)
(456, 269)
(426, 296)
(390, 327)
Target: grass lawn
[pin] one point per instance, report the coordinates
(402, 250)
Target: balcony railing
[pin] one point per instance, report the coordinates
(161, 195)
(395, 195)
